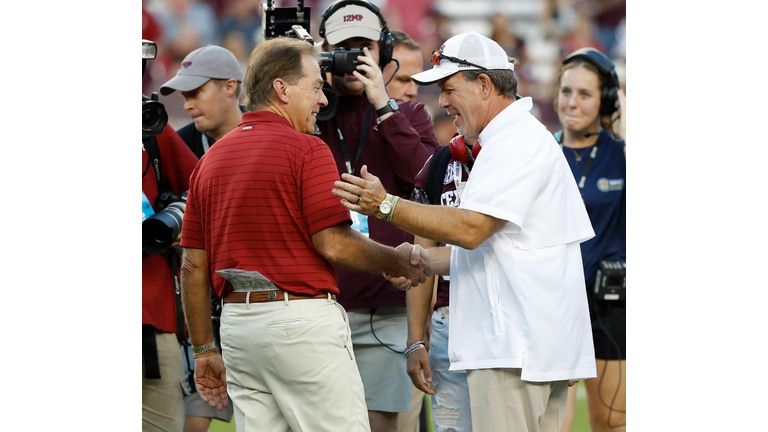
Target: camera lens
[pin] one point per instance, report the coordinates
(161, 229)
(153, 118)
(327, 112)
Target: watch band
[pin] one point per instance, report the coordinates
(201, 349)
(391, 106)
(392, 210)
(385, 204)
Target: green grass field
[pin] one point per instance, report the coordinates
(580, 421)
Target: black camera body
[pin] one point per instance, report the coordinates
(166, 198)
(153, 114)
(294, 22)
(340, 61)
(611, 280)
(161, 229)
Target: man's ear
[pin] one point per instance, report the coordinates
(486, 86)
(230, 87)
(281, 90)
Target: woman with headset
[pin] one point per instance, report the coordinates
(591, 109)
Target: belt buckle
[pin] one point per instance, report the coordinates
(272, 295)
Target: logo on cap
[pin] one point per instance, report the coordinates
(348, 18)
(186, 65)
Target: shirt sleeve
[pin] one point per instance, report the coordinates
(321, 208)
(192, 235)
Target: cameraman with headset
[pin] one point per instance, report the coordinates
(394, 138)
(166, 166)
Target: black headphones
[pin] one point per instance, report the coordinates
(386, 41)
(609, 100)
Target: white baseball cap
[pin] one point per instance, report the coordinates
(465, 51)
(352, 21)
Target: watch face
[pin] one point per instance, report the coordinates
(385, 207)
(393, 104)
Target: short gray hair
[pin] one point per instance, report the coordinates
(280, 57)
(504, 80)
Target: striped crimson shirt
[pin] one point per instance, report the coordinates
(255, 199)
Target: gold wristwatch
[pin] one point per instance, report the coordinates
(385, 207)
(201, 349)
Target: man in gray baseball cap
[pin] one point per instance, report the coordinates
(210, 80)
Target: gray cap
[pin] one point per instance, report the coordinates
(202, 64)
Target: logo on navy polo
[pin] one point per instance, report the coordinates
(449, 175)
(607, 185)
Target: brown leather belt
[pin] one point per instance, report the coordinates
(268, 296)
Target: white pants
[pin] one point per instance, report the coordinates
(290, 367)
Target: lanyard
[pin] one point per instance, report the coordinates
(363, 135)
(588, 167)
(205, 142)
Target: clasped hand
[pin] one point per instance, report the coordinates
(416, 268)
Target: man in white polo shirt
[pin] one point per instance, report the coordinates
(519, 317)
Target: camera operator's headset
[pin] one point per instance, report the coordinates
(386, 41)
(609, 99)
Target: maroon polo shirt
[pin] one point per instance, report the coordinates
(256, 198)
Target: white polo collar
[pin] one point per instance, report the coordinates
(503, 120)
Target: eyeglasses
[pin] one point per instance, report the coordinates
(436, 57)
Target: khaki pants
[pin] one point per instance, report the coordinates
(409, 422)
(290, 367)
(502, 402)
(162, 400)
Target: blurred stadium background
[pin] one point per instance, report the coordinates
(537, 32)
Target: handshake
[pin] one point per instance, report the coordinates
(414, 265)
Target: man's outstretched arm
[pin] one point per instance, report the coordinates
(446, 224)
(342, 246)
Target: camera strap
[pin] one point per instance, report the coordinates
(181, 329)
(363, 135)
(149, 352)
(153, 151)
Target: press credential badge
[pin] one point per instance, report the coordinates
(359, 222)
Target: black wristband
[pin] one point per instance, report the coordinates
(391, 106)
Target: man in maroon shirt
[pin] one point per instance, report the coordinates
(263, 230)
(394, 138)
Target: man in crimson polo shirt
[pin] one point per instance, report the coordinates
(398, 139)
(163, 396)
(263, 230)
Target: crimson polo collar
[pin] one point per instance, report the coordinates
(263, 117)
